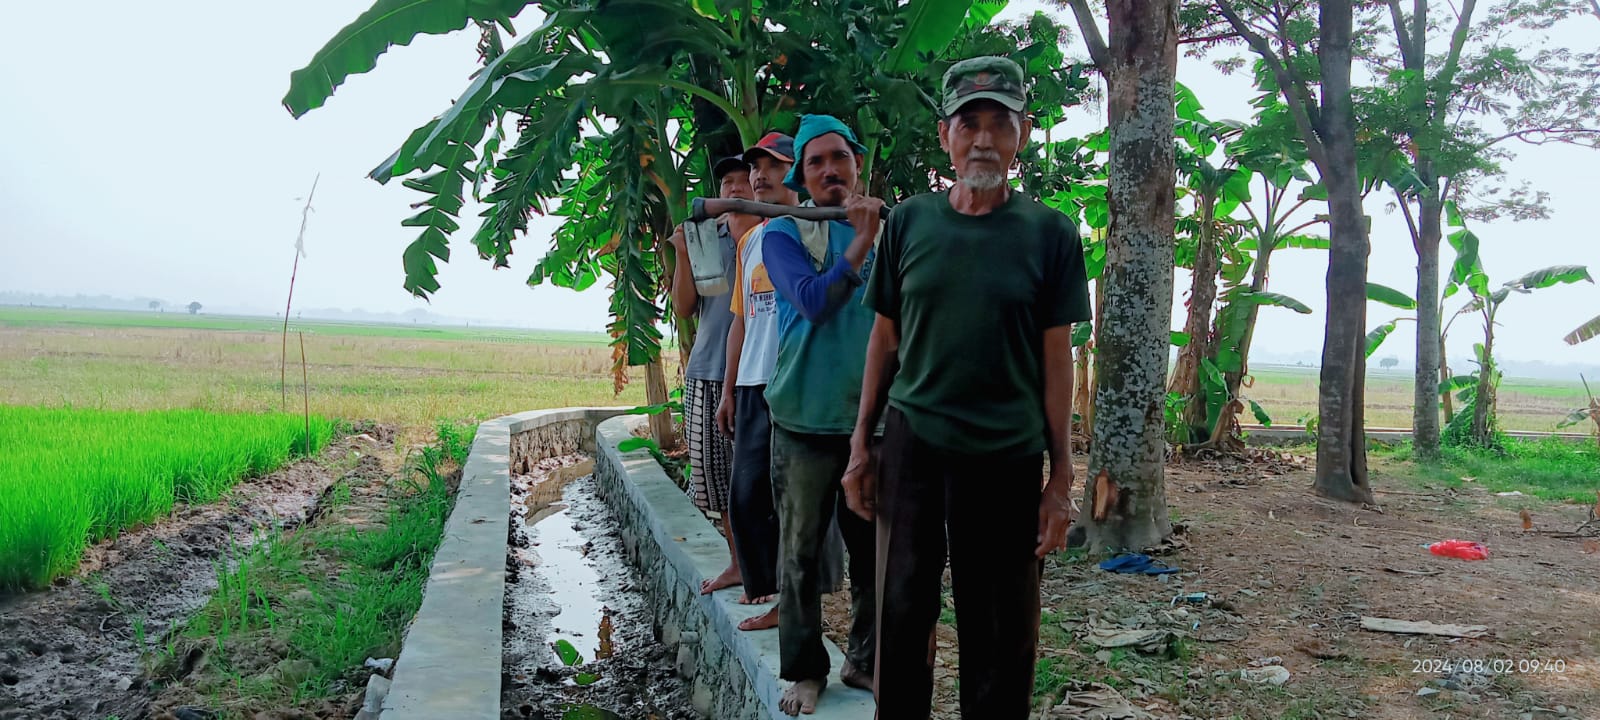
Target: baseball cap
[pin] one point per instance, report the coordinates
(775, 144)
(984, 78)
(811, 128)
(727, 165)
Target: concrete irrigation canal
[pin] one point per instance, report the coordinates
(567, 587)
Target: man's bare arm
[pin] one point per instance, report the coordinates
(730, 376)
(860, 480)
(1055, 503)
(883, 361)
(685, 299)
(1058, 397)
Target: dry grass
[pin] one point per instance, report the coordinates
(418, 376)
(1288, 393)
(409, 381)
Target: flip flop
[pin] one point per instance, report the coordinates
(1136, 564)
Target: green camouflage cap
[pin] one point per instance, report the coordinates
(984, 78)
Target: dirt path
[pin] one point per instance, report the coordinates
(1288, 577)
(73, 650)
(1301, 572)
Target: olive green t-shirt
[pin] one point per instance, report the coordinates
(972, 296)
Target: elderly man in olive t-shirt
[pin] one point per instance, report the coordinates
(976, 291)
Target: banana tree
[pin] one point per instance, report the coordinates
(617, 108)
(1486, 304)
(1270, 155)
(1586, 331)
(1590, 413)
(1204, 234)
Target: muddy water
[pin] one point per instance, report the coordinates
(568, 580)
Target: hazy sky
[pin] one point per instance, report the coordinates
(146, 154)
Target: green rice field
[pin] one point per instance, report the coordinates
(70, 477)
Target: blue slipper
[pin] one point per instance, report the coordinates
(1136, 564)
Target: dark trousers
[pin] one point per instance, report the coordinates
(755, 514)
(988, 508)
(806, 470)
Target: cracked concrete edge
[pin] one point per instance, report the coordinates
(449, 664)
(697, 552)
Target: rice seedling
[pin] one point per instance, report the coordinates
(327, 595)
(71, 477)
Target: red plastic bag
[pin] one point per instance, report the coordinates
(1463, 549)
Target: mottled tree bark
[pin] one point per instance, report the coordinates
(1341, 437)
(1126, 497)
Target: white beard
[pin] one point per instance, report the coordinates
(984, 181)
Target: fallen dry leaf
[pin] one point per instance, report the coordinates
(606, 649)
(1410, 627)
(1591, 546)
(1527, 519)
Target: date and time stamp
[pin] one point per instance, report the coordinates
(1489, 666)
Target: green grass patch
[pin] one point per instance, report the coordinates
(70, 477)
(1549, 468)
(299, 613)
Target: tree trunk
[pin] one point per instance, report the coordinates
(1341, 437)
(1425, 395)
(1082, 389)
(655, 393)
(1483, 404)
(1258, 283)
(1444, 376)
(1094, 363)
(1219, 434)
(1126, 494)
(1202, 296)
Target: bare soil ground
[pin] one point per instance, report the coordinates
(1288, 577)
(74, 650)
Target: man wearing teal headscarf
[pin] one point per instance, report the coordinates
(819, 271)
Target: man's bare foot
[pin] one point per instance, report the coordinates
(764, 621)
(764, 599)
(801, 697)
(855, 677)
(729, 578)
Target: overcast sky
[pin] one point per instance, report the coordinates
(146, 154)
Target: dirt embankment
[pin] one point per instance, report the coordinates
(74, 650)
(1287, 578)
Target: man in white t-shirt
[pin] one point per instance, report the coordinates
(751, 355)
